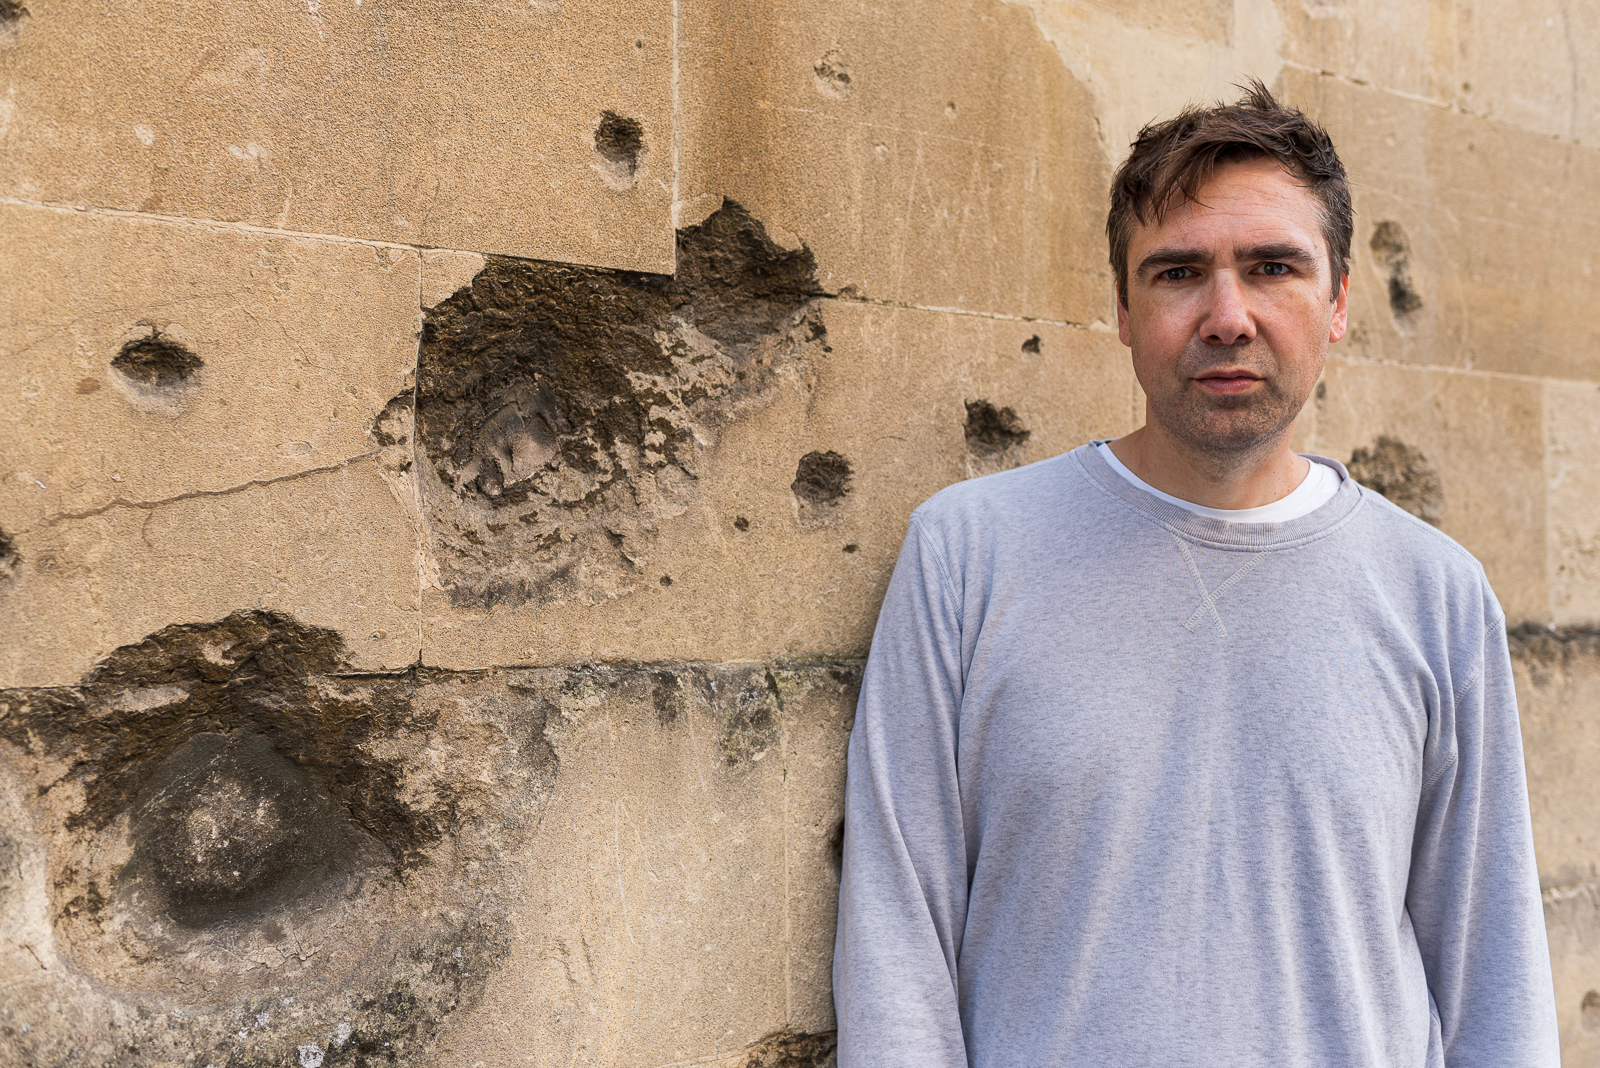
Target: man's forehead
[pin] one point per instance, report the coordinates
(1243, 204)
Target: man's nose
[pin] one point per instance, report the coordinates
(1228, 320)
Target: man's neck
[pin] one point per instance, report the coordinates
(1232, 481)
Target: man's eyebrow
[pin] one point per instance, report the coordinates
(1169, 256)
(1278, 252)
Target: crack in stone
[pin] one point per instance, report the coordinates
(255, 483)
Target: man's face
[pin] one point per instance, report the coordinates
(1230, 310)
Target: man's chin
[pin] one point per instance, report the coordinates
(1232, 429)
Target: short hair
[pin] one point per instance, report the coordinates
(1172, 160)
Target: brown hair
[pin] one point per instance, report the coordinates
(1172, 160)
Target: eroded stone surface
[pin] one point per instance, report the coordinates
(1401, 474)
(563, 412)
(225, 843)
(251, 851)
(890, 400)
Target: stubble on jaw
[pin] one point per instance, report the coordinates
(1227, 429)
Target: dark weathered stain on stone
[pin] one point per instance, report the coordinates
(1402, 474)
(990, 431)
(1393, 252)
(561, 411)
(232, 813)
(12, 12)
(832, 72)
(1589, 1013)
(9, 556)
(156, 362)
(752, 725)
(822, 478)
(251, 855)
(619, 141)
(1031, 345)
(794, 1049)
(1548, 652)
(252, 673)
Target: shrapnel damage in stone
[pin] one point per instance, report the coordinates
(1403, 475)
(225, 846)
(561, 412)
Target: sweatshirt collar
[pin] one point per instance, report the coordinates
(1219, 533)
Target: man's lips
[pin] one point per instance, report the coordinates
(1228, 381)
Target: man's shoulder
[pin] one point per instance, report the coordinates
(1406, 534)
(1411, 552)
(990, 500)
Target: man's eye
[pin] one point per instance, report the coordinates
(1176, 274)
(1274, 268)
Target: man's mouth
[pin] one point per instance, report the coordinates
(1227, 381)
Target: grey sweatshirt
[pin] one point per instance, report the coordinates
(1132, 787)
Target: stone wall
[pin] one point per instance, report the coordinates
(451, 456)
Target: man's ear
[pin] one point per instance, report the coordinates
(1341, 310)
(1123, 330)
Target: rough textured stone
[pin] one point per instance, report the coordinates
(1499, 241)
(1572, 444)
(1558, 689)
(562, 412)
(235, 850)
(332, 548)
(801, 576)
(147, 360)
(951, 168)
(654, 926)
(430, 124)
(224, 843)
(1572, 918)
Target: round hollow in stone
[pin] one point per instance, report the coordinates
(230, 826)
(156, 362)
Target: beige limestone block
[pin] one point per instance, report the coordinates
(1203, 52)
(1572, 919)
(1525, 65)
(1389, 46)
(1476, 241)
(653, 925)
(956, 166)
(1211, 21)
(1572, 437)
(300, 343)
(818, 736)
(331, 548)
(747, 568)
(462, 126)
(1558, 692)
(1481, 435)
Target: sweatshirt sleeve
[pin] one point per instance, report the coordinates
(903, 891)
(1473, 895)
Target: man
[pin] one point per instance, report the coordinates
(1185, 749)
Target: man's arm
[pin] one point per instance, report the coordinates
(1474, 892)
(903, 893)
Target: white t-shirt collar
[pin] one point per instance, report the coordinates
(1316, 489)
